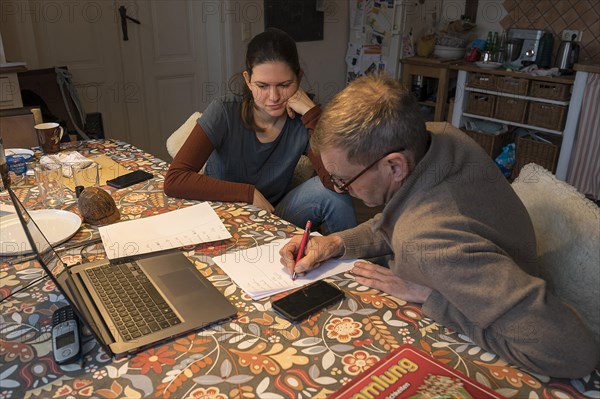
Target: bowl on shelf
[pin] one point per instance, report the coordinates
(488, 64)
(448, 53)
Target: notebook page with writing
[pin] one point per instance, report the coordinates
(259, 272)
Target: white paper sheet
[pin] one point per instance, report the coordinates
(188, 226)
(259, 272)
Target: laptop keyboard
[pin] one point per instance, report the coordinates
(135, 306)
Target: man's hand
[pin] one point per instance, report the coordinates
(385, 280)
(318, 250)
(299, 103)
(261, 202)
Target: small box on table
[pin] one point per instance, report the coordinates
(410, 373)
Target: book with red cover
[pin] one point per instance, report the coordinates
(408, 373)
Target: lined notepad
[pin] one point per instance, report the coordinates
(259, 272)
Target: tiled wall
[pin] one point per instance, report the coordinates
(556, 15)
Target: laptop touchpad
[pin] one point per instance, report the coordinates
(181, 282)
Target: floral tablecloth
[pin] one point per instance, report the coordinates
(258, 355)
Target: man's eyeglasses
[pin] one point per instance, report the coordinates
(342, 185)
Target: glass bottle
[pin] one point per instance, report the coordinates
(495, 42)
(502, 47)
(488, 42)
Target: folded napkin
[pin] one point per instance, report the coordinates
(536, 71)
(66, 159)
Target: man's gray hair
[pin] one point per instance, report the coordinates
(373, 115)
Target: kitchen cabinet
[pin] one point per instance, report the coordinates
(430, 68)
(549, 105)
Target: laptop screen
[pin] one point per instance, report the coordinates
(53, 264)
(40, 245)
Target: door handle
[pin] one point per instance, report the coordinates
(124, 18)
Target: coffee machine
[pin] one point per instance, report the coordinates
(526, 44)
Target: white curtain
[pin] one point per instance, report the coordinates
(584, 171)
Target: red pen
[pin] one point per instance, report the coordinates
(302, 245)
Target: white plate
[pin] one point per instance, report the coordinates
(58, 226)
(488, 65)
(15, 151)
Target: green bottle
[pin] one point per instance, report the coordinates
(495, 42)
(488, 42)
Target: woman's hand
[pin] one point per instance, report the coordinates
(385, 280)
(318, 249)
(261, 202)
(299, 103)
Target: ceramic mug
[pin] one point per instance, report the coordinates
(49, 135)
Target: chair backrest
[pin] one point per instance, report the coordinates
(179, 136)
(567, 228)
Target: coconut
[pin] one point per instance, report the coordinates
(97, 207)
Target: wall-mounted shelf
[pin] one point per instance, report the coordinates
(10, 92)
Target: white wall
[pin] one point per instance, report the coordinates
(489, 15)
(18, 36)
(322, 61)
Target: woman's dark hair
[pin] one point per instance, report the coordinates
(271, 45)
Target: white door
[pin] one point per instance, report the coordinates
(175, 58)
(173, 64)
(82, 36)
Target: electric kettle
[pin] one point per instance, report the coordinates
(567, 56)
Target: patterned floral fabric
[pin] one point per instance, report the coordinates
(257, 355)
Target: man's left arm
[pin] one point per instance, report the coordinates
(384, 279)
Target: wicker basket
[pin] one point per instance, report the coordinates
(529, 150)
(546, 115)
(492, 144)
(481, 104)
(510, 109)
(482, 80)
(509, 84)
(549, 90)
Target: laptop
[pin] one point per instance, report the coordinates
(134, 303)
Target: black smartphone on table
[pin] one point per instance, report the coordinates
(129, 179)
(307, 300)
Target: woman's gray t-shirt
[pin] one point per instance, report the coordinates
(239, 157)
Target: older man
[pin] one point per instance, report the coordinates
(459, 240)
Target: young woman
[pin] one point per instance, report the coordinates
(251, 144)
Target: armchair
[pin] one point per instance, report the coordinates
(567, 228)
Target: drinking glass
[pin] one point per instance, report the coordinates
(85, 174)
(50, 184)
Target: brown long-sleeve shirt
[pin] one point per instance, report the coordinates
(184, 181)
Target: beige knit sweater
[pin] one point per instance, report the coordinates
(458, 227)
